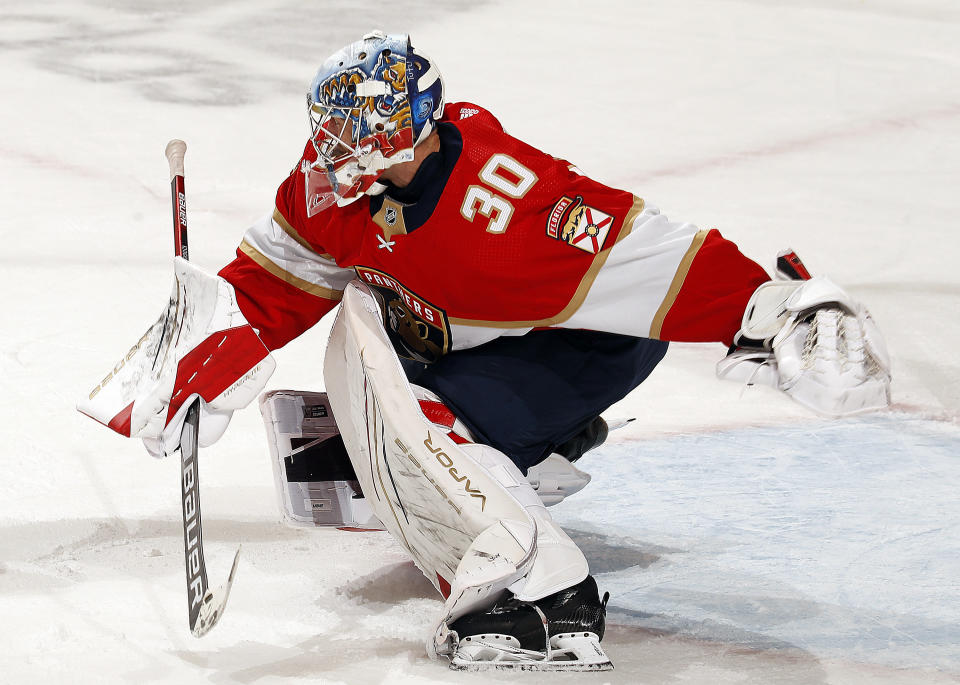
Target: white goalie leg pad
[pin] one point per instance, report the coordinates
(314, 478)
(553, 479)
(559, 563)
(464, 530)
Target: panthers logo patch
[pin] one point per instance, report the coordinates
(417, 329)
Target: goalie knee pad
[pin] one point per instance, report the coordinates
(555, 478)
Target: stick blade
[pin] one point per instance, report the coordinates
(215, 602)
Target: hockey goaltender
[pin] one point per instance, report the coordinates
(493, 302)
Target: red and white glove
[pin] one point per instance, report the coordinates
(202, 348)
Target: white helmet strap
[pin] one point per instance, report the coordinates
(366, 89)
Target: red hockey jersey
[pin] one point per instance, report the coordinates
(513, 240)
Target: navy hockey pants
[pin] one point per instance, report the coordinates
(527, 394)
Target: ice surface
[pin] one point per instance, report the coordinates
(840, 539)
(742, 539)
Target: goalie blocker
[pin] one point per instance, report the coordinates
(201, 348)
(468, 517)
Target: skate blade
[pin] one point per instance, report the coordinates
(568, 652)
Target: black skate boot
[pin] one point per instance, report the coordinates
(592, 436)
(559, 632)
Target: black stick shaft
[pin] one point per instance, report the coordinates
(192, 527)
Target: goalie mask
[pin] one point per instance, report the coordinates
(369, 104)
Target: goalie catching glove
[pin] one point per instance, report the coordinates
(200, 348)
(813, 341)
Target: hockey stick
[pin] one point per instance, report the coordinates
(204, 606)
(175, 151)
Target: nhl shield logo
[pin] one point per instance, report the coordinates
(390, 216)
(580, 225)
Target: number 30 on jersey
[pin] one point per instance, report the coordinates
(505, 175)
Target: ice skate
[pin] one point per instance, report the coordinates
(560, 632)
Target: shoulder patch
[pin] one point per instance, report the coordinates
(578, 224)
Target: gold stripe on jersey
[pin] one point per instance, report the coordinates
(306, 286)
(679, 277)
(581, 292)
(293, 233)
